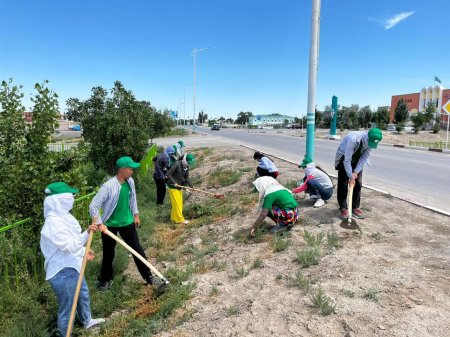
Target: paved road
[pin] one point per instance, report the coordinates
(420, 176)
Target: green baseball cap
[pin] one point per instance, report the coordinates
(190, 159)
(181, 143)
(305, 162)
(60, 187)
(375, 136)
(126, 162)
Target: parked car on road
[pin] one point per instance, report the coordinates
(391, 127)
(215, 127)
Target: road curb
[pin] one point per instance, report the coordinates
(415, 203)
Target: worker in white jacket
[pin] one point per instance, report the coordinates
(62, 244)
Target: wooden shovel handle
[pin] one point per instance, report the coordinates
(206, 192)
(350, 202)
(136, 254)
(80, 280)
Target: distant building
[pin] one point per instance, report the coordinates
(272, 119)
(417, 102)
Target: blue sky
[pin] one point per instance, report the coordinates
(257, 57)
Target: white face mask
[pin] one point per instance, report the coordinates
(66, 201)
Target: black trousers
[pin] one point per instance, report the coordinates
(342, 188)
(129, 235)
(263, 172)
(160, 190)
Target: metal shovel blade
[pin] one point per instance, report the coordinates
(349, 224)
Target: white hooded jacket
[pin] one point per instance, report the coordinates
(62, 240)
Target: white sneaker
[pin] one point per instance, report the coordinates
(94, 322)
(319, 203)
(185, 222)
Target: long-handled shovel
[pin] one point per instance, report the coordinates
(80, 280)
(217, 196)
(160, 289)
(349, 223)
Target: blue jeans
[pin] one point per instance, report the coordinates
(64, 284)
(314, 188)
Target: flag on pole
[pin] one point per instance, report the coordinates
(436, 79)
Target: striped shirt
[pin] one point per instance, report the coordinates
(349, 146)
(107, 198)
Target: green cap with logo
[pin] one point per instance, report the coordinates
(375, 136)
(305, 162)
(126, 162)
(190, 159)
(60, 187)
(181, 143)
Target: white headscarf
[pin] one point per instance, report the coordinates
(59, 205)
(266, 185)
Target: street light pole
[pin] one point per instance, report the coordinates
(312, 78)
(194, 53)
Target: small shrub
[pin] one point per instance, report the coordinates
(196, 211)
(376, 236)
(308, 257)
(240, 272)
(232, 311)
(323, 303)
(333, 241)
(218, 265)
(258, 263)
(314, 240)
(371, 294)
(349, 293)
(214, 291)
(301, 281)
(280, 244)
(278, 277)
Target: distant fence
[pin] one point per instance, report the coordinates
(432, 145)
(60, 147)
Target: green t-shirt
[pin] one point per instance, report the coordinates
(282, 199)
(122, 215)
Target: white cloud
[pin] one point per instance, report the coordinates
(395, 20)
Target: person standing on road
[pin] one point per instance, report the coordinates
(351, 156)
(117, 199)
(161, 162)
(62, 244)
(178, 175)
(266, 167)
(275, 202)
(316, 182)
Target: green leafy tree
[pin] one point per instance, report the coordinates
(318, 119)
(437, 126)
(418, 121)
(26, 165)
(364, 116)
(381, 118)
(401, 115)
(243, 117)
(115, 124)
(202, 117)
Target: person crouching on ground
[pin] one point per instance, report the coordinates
(266, 167)
(317, 183)
(275, 202)
(62, 244)
(117, 199)
(178, 175)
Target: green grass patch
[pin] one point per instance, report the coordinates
(371, 294)
(240, 272)
(333, 241)
(280, 243)
(258, 263)
(232, 311)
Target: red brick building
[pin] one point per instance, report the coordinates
(417, 102)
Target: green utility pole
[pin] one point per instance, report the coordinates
(312, 78)
(334, 113)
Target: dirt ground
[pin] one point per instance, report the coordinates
(390, 278)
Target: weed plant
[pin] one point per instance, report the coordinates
(308, 257)
(371, 294)
(223, 177)
(323, 303)
(314, 240)
(300, 281)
